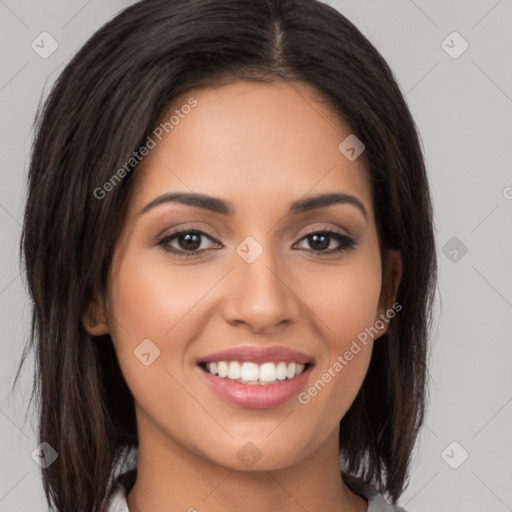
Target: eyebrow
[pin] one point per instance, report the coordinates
(216, 205)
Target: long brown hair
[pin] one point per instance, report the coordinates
(102, 108)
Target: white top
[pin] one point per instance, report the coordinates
(127, 474)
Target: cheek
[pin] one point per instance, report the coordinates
(149, 296)
(149, 299)
(344, 297)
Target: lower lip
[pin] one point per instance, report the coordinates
(257, 396)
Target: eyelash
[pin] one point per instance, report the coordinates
(345, 242)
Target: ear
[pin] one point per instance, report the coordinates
(392, 275)
(94, 318)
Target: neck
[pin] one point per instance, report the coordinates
(172, 478)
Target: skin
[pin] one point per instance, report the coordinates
(260, 147)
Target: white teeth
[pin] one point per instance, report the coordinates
(290, 372)
(281, 371)
(234, 371)
(252, 373)
(267, 372)
(222, 369)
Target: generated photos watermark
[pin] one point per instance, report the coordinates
(343, 360)
(137, 156)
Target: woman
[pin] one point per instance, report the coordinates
(228, 241)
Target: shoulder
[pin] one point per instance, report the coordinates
(116, 501)
(122, 479)
(376, 501)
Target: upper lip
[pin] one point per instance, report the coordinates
(260, 355)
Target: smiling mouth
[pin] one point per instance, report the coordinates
(252, 373)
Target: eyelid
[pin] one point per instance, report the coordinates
(186, 228)
(327, 227)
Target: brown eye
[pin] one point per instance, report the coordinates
(189, 241)
(186, 242)
(319, 241)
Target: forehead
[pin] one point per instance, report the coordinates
(256, 144)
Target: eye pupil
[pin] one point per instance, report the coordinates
(192, 241)
(320, 241)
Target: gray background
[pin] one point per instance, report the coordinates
(462, 107)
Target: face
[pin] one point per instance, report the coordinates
(286, 285)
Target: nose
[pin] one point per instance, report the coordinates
(260, 295)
